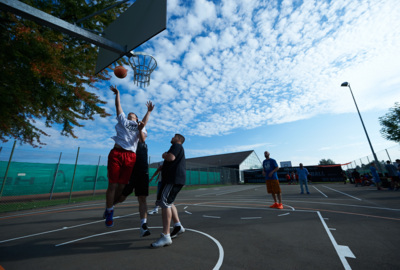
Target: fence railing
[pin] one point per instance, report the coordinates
(362, 163)
(45, 175)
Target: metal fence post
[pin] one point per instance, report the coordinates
(388, 155)
(95, 178)
(55, 177)
(73, 176)
(8, 166)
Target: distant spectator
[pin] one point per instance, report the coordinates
(344, 177)
(288, 178)
(375, 176)
(293, 178)
(393, 174)
(302, 174)
(356, 175)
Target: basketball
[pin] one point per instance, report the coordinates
(120, 72)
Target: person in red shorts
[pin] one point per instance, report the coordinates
(270, 168)
(122, 157)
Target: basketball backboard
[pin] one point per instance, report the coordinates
(143, 20)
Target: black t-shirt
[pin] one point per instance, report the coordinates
(174, 172)
(141, 156)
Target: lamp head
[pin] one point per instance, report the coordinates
(345, 84)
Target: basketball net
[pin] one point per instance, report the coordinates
(143, 65)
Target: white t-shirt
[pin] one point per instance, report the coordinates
(127, 133)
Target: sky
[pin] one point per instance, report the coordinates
(241, 75)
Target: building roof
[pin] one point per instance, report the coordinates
(223, 160)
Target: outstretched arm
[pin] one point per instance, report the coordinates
(150, 107)
(156, 173)
(117, 99)
(142, 124)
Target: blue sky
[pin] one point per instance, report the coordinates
(262, 75)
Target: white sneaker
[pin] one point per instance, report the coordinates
(178, 230)
(164, 240)
(154, 211)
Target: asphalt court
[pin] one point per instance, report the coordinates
(337, 226)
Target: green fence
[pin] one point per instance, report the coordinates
(40, 178)
(37, 175)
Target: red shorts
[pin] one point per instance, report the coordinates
(120, 165)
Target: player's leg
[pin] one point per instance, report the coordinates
(140, 178)
(178, 228)
(168, 195)
(301, 186)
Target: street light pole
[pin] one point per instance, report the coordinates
(345, 84)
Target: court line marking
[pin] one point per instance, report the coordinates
(63, 228)
(284, 214)
(290, 207)
(225, 192)
(187, 212)
(210, 216)
(320, 192)
(342, 193)
(220, 248)
(250, 217)
(342, 251)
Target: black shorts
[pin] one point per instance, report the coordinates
(167, 194)
(139, 182)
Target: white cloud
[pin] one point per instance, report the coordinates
(233, 65)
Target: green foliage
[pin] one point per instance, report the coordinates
(326, 162)
(390, 123)
(48, 75)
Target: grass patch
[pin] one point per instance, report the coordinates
(37, 204)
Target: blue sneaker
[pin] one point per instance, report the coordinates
(109, 218)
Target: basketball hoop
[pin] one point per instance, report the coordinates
(143, 65)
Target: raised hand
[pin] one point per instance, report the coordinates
(150, 106)
(114, 89)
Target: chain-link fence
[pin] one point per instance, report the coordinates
(37, 174)
(362, 164)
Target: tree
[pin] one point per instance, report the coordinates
(326, 162)
(390, 123)
(48, 75)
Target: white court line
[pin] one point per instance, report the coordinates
(225, 192)
(57, 230)
(284, 214)
(50, 210)
(342, 251)
(251, 208)
(187, 212)
(343, 193)
(220, 248)
(250, 217)
(332, 229)
(290, 207)
(210, 216)
(320, 192)
(185, 207)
